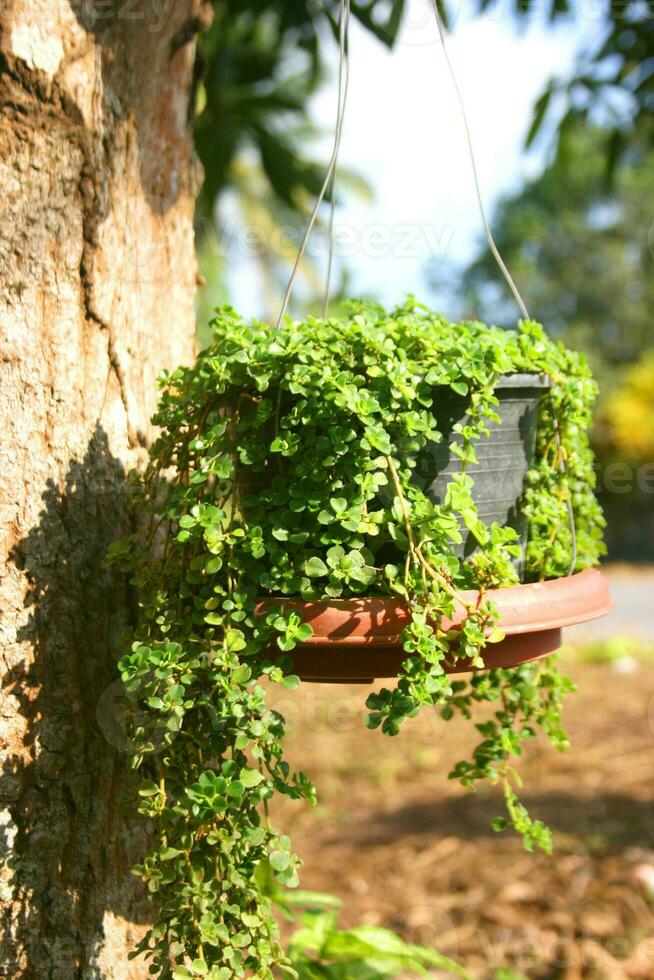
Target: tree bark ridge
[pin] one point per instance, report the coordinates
(97, 273)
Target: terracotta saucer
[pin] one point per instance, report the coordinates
(357, 640)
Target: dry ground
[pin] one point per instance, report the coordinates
(402, 846)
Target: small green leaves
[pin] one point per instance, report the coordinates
(208, 795)
(284, 863)
(279, 860)
(292, 630)
(234, 640)
(338, 505)
(533, 832)
(242, 674)
(315, 567)
(348, 569)
(376, 438)
(287, 445)
(496, 635)
(287, 470)
(255, 542)
(250, 777)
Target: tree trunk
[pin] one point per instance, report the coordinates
(97, 280)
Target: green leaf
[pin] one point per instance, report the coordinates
(242, 674)
(496, 635)
(149, 789)
(315, 567)
(539, 113)
(335, 555)
(235, 640)
(250, 778)
(280, 860)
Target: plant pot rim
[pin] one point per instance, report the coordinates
(527, 608)
(357, 639)
(524, 379)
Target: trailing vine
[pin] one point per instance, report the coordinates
(284, 467)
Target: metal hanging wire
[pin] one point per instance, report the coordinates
(500, 261)
(329, 185)
(343, 85)
(330, 176)
(475, 173)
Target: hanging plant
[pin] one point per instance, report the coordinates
(288, 470)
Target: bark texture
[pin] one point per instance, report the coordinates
(97, 280)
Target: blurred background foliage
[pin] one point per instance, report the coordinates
(629, 413)
(579, 238)
(258, 66)
(582, 247)
(262, 60)
(581, 251)
(612, 83)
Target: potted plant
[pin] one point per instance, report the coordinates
(342, 492)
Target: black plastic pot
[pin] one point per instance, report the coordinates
(504, 456)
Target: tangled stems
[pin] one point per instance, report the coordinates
(285, 468)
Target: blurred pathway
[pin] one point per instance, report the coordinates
(632, 589)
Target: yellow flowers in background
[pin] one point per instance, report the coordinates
(628, 416)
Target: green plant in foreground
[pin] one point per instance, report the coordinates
(284, 468)
(319, 949)
(621, 647)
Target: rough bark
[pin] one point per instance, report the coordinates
(97, 277)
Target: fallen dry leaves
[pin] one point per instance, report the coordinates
(403, 847)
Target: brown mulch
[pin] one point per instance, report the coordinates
(404, 847)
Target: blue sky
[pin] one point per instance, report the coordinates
(403, 131)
